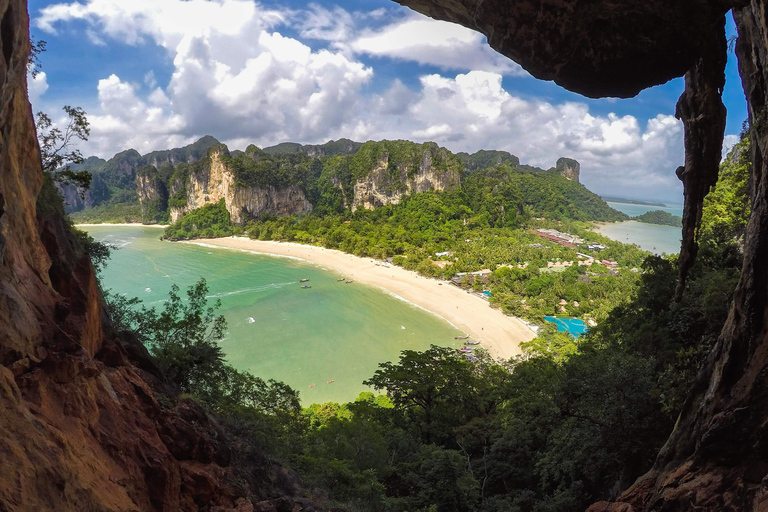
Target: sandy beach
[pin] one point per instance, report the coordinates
(132, 224)
(498, 333)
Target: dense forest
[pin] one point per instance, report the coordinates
(570, 422)
(660, 217)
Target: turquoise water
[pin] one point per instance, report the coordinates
(633, 210)
(333, 331)
(573, 326)
(650, 237)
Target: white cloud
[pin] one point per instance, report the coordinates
(437, 43)
(728, 143)
(37, 86)
(233, 75)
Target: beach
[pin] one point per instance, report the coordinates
(498, 333)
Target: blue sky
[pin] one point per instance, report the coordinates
(155, 74)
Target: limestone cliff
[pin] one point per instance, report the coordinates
(569, 168)
(390, 178)
(81, 425)
(153, 195)
(214, 180)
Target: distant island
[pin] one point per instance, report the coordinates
(631, 201)
(660, 217)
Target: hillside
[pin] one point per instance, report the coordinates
(330, 178)
(661, 218)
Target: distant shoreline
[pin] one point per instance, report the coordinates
(632, 201)
(125, 224)
(498, 333)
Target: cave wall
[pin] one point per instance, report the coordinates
(83, 425)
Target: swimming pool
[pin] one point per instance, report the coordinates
(573, 326)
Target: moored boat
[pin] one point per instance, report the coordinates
(304, 280)
(306, 286)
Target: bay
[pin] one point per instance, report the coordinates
(633, 210)
(333, 331)
(650, 237)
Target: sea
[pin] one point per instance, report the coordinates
(323, 341)
(650, 237)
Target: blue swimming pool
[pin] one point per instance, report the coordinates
(573, 326)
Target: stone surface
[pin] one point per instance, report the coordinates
(382, 187)
(216, 182)
(81, 427)
(597, 48)
(569, 168)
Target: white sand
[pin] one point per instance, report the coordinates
(137, 224)
(498, 333)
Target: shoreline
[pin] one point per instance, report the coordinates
(124, 224)
(498, 333)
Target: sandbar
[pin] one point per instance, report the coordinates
(498, 333)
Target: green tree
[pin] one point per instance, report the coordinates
(431, 388)
(56, 146)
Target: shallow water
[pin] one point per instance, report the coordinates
(650, 237)
(333, 331)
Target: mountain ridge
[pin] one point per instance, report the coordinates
(291, 178)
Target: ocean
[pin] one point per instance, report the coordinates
(650, 237)
(277, 330)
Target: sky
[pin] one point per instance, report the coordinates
(158, 74)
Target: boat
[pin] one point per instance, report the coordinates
(330, 382)
(342, 279)
(473, 343)
(306, 286)
(461, 338)
(304, 280)
(349, 282)
(312, 385)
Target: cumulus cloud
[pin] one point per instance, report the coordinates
(728, 142)
(437, 43)
(37, 85)
(233, 75)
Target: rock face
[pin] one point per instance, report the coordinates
(81, 427)
(387, 184)
(152, 193)
(214, 182)
(598, 48)
(569, 168)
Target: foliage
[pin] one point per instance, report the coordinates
(484, 159)
(98, 252)
(210, 221)
(56, 144)
(726, 208)
(184, 339)
(36, 48)
(109, 213)
(660, 217)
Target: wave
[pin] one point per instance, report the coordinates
(247, 251)
(403, 299)
(255, 289)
